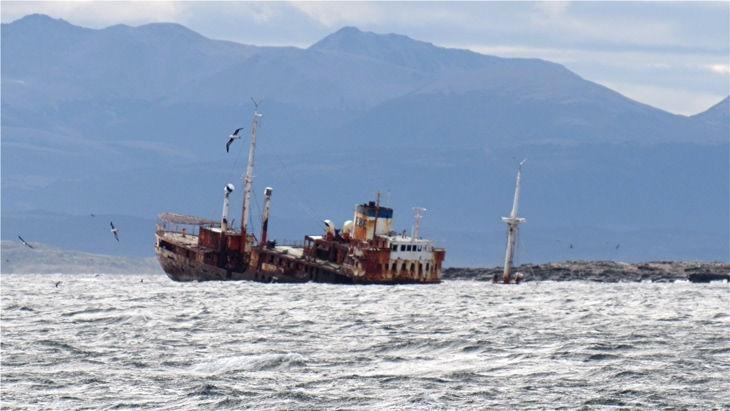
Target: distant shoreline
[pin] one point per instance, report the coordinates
(43, 259)
(597, 271)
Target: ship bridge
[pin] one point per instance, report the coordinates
(410, 255)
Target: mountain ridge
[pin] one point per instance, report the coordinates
(134, 121)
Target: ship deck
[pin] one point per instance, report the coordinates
(292, 251)
(186, 240)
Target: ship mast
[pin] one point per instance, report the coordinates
(416, 233)
(248, 179)
(377, 214)
(513, 223)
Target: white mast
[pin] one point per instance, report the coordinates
(227, 190)
(417, 225)
(512, 224)
(265, 217)
(248, 179)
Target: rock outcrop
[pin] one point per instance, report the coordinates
(599, 271)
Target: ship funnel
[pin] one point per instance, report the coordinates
(372, 219)
(227, 190)
(265, 218)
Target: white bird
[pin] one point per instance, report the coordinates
(115, 231)
(233, 136)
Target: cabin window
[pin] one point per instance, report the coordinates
(394, 247)
(403, 247)
(419, 248)
(408, 248)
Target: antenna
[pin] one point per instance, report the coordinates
(417, 225)
(377, 214)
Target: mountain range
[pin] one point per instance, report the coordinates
(127, 122)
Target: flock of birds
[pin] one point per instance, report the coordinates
(114, 230)
(231, 138)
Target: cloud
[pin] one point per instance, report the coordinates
(560, 22)
(627, 59)
(676, 82)
(673, 99)
(95, 14)
(722, 69)
(332, 14)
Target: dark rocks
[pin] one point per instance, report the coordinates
(600, 271)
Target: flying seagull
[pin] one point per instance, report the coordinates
(57, 283)
(25, 243)
(232, 137)
(115, 231)
(617, 246)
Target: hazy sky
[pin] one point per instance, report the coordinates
(675, 56)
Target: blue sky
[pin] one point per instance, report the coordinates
(675, 56)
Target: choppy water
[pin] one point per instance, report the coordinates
(115, 342)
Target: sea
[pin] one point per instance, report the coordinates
(146, 342)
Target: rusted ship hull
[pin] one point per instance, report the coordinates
(184, 269)
(179, 268)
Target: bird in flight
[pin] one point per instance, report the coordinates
(233, 136)
(25, 243)
(115, 231)
(57, 283)
(617, 246)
